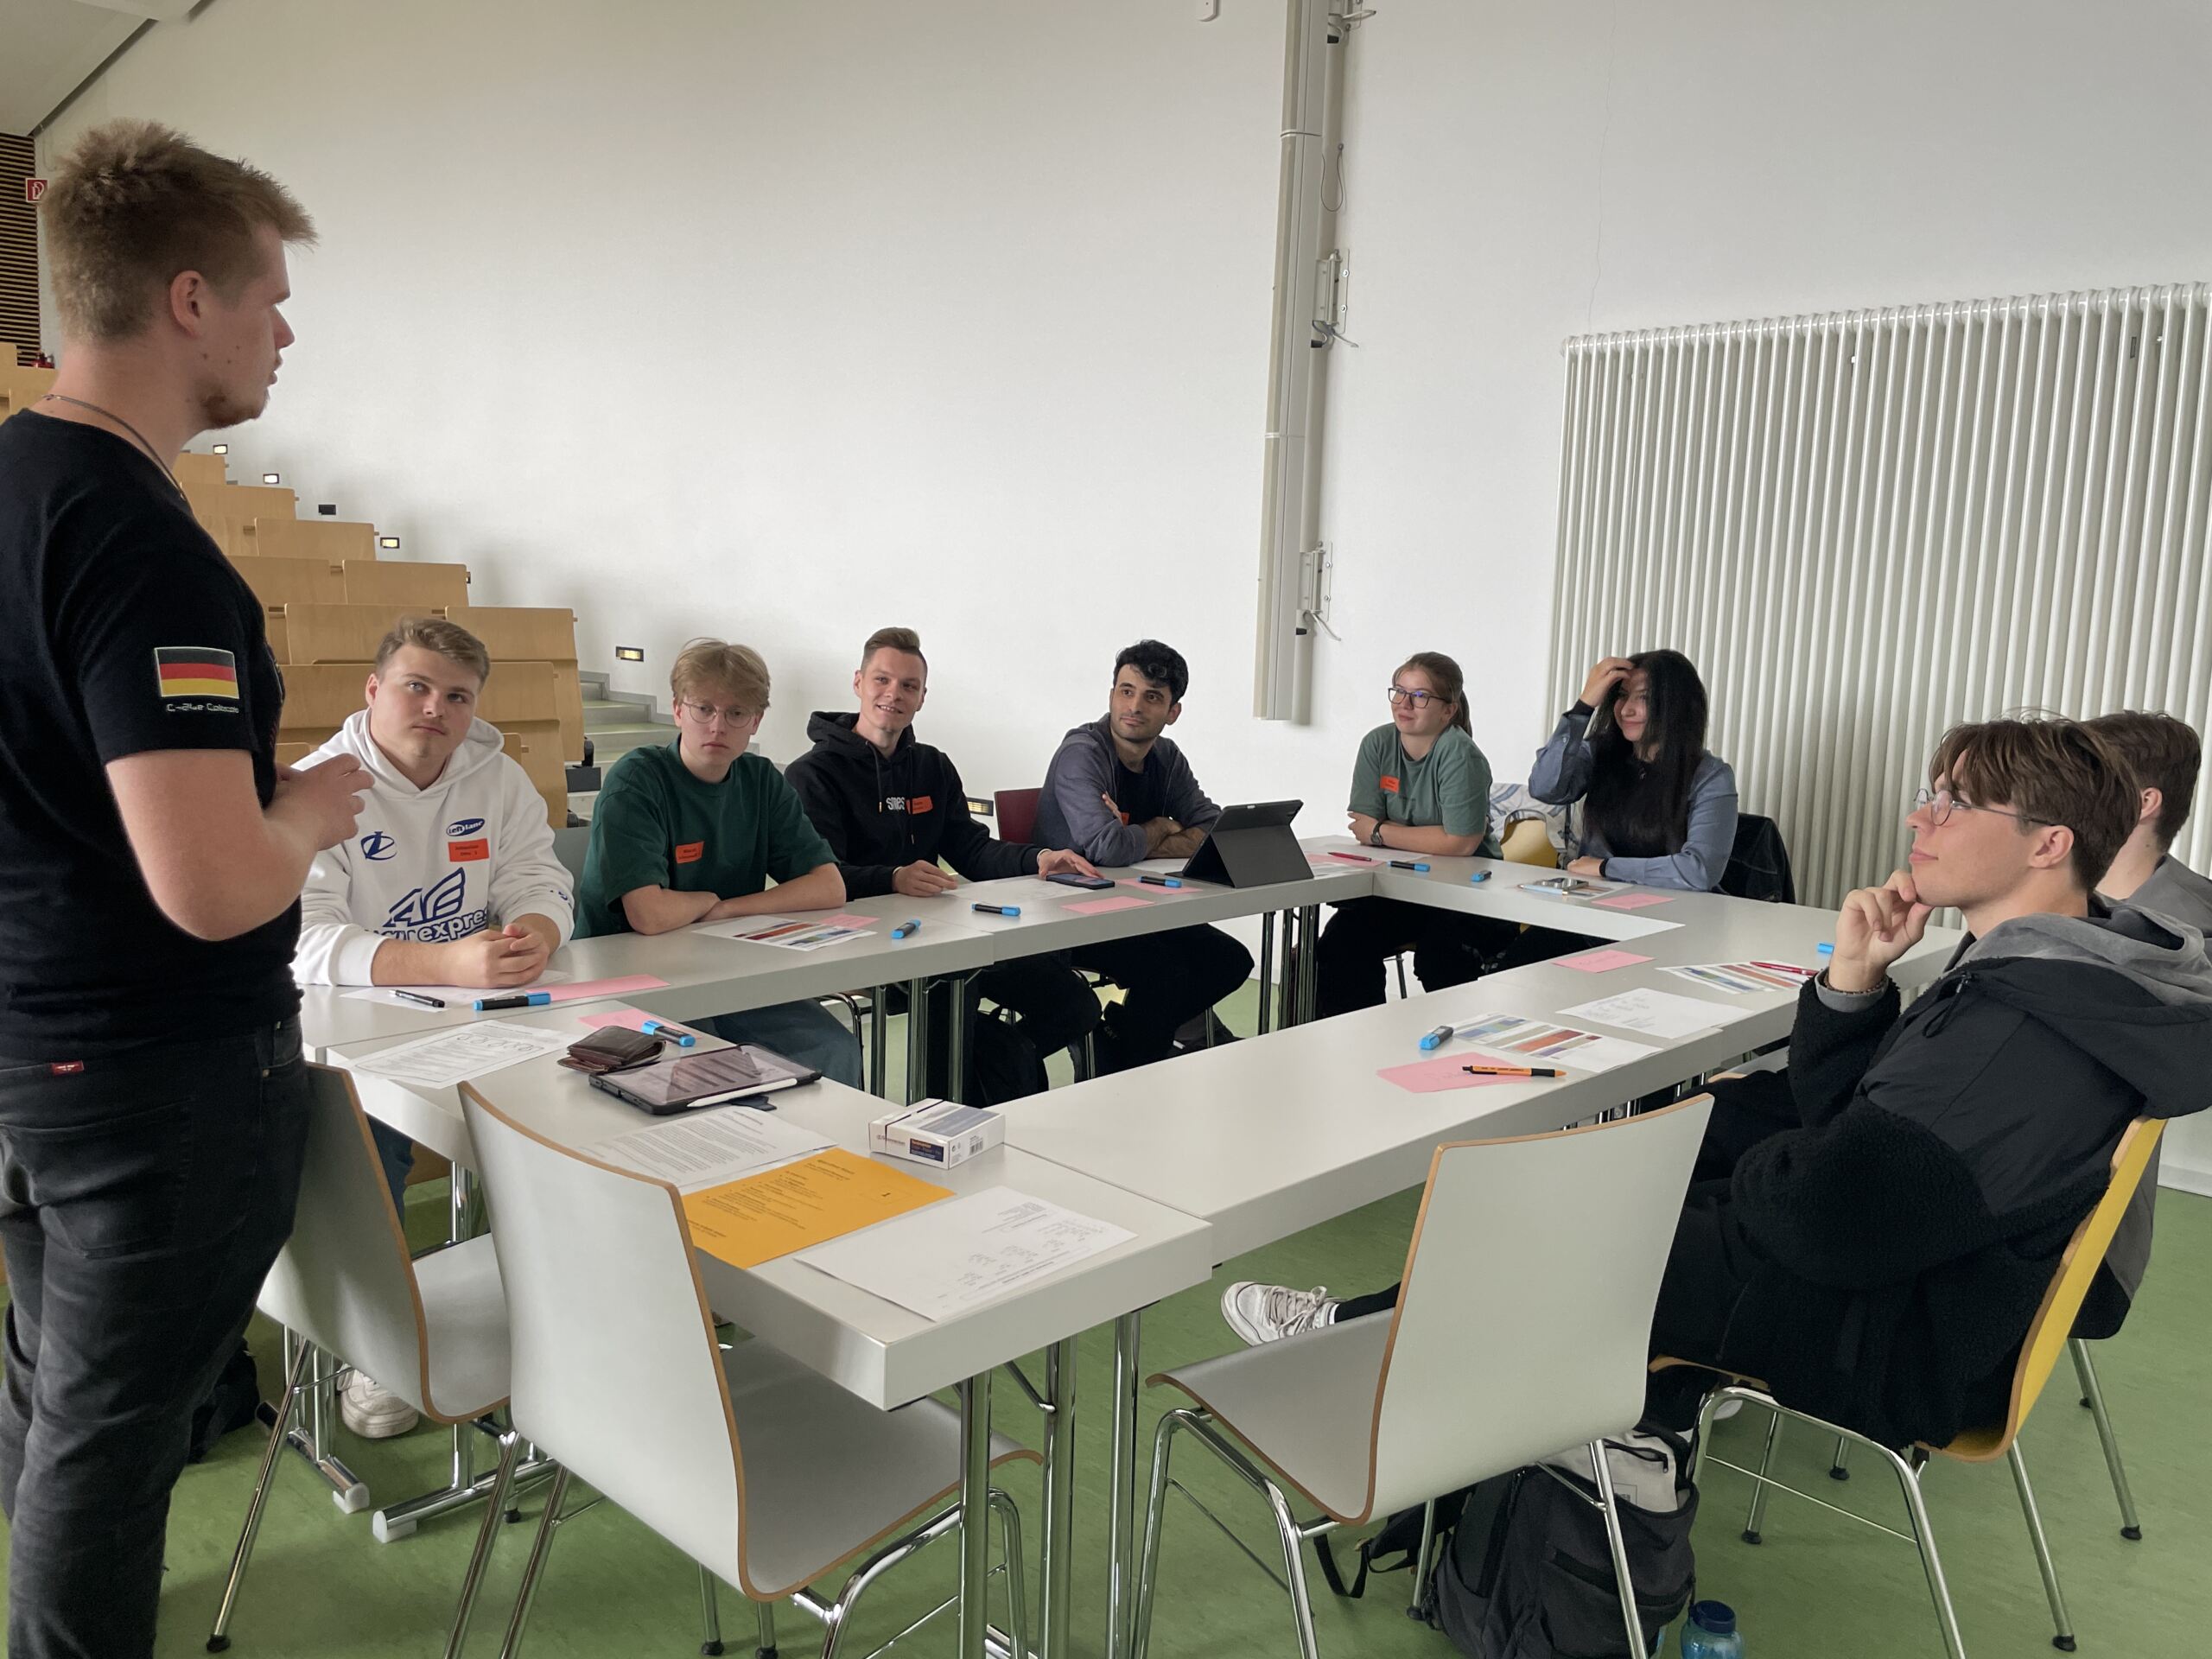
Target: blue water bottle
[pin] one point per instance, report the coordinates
(1710, 1632)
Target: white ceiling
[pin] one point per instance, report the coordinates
(48, 47)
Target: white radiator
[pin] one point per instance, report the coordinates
(1864, 526)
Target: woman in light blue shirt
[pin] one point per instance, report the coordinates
(1657, 809)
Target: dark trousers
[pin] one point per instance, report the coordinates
(142, 1202)
(1054, 1010)
(1363, 934)
(397, 1154)
(1709, 1263)
(1166, 979)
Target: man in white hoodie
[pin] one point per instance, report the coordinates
(449, 879)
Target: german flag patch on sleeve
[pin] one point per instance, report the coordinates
(196, 671)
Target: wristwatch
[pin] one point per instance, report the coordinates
(1375, 835)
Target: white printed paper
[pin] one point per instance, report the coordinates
(446, 1057)
(1744, 978)
(1596, 1053)
(1518, 1041)
(785, 933)
(1658, 1014)
(705, 1148)
(456, 996)
(950, 1257)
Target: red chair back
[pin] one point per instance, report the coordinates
(1016, 809)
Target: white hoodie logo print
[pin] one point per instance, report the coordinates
(435, 914)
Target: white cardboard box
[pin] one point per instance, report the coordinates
(940, 1132)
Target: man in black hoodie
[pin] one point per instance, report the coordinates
(1879, 1262)
(891, 808)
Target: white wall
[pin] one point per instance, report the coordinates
(786, 321)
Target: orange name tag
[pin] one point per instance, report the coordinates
(921, 803)
(1389, 786)
(691, 852)
(469, 852)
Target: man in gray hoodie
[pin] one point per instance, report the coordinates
(2164, 754)
(1118, 791)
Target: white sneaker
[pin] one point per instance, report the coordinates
(373, 1411)
(1259, 1313)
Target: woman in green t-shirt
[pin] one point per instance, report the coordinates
(1420, 786)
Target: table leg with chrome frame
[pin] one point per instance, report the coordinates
(464, 1488)
(1266, 966)
(1122, 1491)
(1059, 1547)
(956, 1045)
(918, 1039)
(347, 1490)
(975, 1514)
(879, 1037)
(1308, 963)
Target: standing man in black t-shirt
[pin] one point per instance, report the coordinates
(152, 1093)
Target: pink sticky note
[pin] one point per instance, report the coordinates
(1100, 906)
(1633, 900)
(849, 921)
(1602, 962)
(1434, 1077)
(590, 988)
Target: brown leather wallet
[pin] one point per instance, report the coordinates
(612, 1048)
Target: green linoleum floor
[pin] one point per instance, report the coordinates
(1819, 1587)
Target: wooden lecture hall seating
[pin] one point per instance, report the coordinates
(328, 599)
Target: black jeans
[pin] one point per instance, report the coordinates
(1365, 933)
(1165, 980)
(1055, 1010)
(142, 1202)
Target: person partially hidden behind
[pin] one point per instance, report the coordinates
(451, 878)
(1873, 1244)
(2165, 755)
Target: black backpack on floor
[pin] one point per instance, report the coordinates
(1528, 1575)
(1525, 1573)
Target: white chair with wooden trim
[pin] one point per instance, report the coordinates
(766, 1473)
(2046, 1340)
(433, 1329)
(1520, 1329)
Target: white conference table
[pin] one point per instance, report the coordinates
(1057, 916)
(884, 1353)
(706, 975)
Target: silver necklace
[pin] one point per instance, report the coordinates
(109, 414)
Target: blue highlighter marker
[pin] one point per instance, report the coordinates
(667, 1034)
(1436, 1038)
(904, 928)
(1478, 878)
